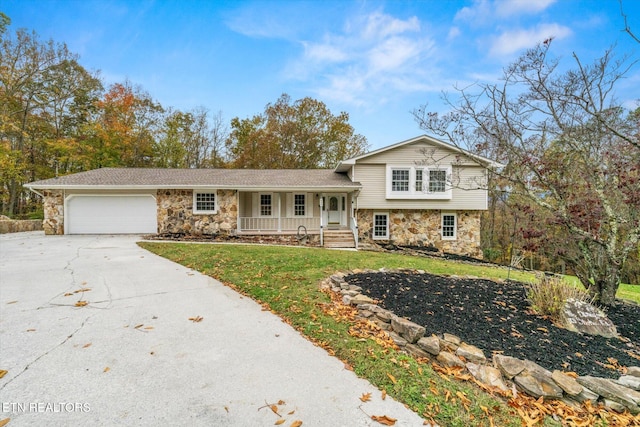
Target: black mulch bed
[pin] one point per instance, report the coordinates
(496, 318)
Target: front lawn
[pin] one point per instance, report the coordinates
(285, 280)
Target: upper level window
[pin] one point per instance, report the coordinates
(437, 180)
(265, 205)
(400, 179)
(299, 205)
(419, 182)
(204, 202)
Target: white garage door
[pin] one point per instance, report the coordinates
(117, 214)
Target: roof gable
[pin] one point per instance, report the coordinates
(345, 165)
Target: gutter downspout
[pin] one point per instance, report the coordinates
(37, 192)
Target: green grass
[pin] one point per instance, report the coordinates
(285, 279)
(625, 291)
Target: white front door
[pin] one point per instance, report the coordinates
(334, 209)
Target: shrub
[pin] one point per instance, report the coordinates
(549, 294)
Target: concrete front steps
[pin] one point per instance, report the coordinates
(339, 239)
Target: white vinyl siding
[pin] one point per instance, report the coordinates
(380, 226)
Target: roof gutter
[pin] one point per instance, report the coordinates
(192, 187)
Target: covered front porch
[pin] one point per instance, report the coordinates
(300, 213)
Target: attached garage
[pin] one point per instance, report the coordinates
(111, 214)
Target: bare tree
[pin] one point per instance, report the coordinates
(569, 149)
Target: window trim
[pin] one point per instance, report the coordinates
(455, 225)
(260, 205)
(415, 193)
(406, 183)
(373, 228)
(205, 211)
(304, 205)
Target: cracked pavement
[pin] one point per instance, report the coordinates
(95, 331)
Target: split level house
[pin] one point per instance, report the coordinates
(421, 191)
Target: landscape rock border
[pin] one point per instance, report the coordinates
(502, 372)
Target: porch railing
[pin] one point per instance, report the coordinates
(278, 224)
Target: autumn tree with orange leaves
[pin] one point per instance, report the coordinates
(290, 135)
(123, 132)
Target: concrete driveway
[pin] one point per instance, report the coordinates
(132, 357)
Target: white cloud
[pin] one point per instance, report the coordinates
(324, 52)
(373, 56)
(487, 11)
(379, 26)
(506, 8)
(454, 32)
(511, 41)
(479, 12)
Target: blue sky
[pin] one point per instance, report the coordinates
(376, 60)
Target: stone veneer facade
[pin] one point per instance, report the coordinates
(422, 228)
(175, 213)
(53, 203)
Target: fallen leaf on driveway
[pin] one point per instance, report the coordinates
(31, 330)
(68, 294)
(3, 373)
(4, 422)
(86, 345)
(148, 327)
(82, 290)
(383, 419)
(280, 421)
(384, 394)
(12, 302)
(365, 397)
(296, 423)
(196, 319)
(138, 326)
(107, 369)
(81, 303)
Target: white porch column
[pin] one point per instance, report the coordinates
(279, 213)
(321, 218)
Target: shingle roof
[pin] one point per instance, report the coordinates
(189, 178)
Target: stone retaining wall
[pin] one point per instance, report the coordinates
(422, 228)
(502, 372)
(18, 226)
